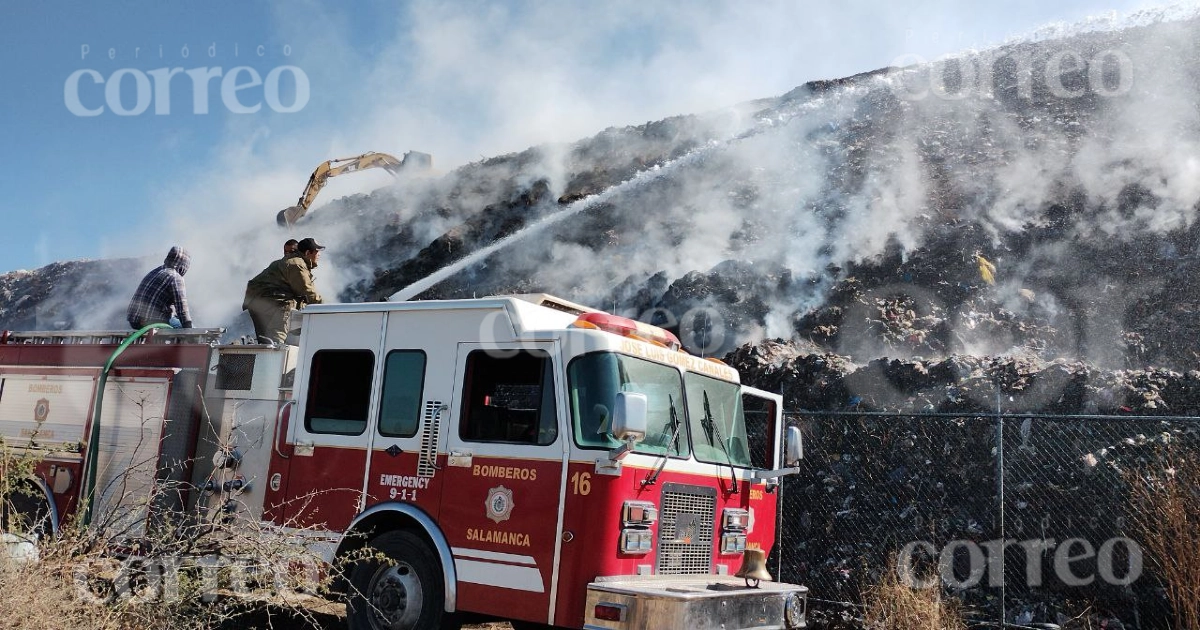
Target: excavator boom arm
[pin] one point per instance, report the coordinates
(338, 166)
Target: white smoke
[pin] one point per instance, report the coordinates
(467, 82)
(1003, 152)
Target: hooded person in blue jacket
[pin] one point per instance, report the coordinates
(162, 297)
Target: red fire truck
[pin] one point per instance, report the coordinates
(518, 457)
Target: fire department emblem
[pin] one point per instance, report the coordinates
(687, 528)
(499, 504)
(41, 410)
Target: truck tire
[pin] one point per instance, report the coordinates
(26, 513)
(404, 593)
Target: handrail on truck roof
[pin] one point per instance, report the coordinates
(112, 337)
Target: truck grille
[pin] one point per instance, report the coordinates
(235, 371)
(685, 529)
(427, 463)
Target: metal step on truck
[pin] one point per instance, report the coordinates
(516, 457)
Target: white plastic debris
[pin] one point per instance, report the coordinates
(19, 548)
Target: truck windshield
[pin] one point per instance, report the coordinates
(716, 419)
(594, 380)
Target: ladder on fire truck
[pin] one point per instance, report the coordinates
(112, 337)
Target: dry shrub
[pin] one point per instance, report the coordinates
(1166, 521)
(111, 575)
(78, 583)
(52, 593)
(893, 605)
(37, 596)
(34, 594)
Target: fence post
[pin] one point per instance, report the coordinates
(779, 501)
(1000, 488)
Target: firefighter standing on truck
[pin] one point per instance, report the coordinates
(284, 286)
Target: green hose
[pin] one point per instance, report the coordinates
(93, 450)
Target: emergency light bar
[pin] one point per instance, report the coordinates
(627, 327)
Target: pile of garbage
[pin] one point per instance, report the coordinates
(64, 295)
(963, 384)
(977, 449)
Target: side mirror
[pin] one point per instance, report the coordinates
(629, 417)
(793, 446)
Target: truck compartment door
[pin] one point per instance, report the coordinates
(336, 393)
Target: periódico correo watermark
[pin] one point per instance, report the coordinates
(1065, 74)
(173, 579)
(88, 92)
(1074, 561)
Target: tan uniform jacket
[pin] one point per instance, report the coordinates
(288, 278)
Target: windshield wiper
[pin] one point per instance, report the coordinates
(711, 428)
(675, 425)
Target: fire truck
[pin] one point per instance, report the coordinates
(516, 457)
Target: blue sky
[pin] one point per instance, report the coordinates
(459, 80)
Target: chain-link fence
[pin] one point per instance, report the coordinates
(1028, 519)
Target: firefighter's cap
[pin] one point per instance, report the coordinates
(309, 244)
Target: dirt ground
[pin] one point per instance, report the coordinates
(318, 614)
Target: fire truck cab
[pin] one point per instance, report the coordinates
(516, 457)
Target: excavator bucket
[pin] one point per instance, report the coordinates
(289, 215)
(417, 160)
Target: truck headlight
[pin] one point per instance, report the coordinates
(636, 519)
(638, 514)
(733, 543)
(637, 541)
(735, 519)
(734, 523)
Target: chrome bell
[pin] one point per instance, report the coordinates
(754, 567)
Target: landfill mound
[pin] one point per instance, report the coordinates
(814, 381)
(1017, 222)
(66, 295)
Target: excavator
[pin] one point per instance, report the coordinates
(332, 168)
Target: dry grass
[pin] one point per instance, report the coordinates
(893, 605)
(77, 584)
(35, 595)
(138, 567)
(63, 589)
(1166, 521)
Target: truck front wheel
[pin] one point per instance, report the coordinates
(403, 592)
